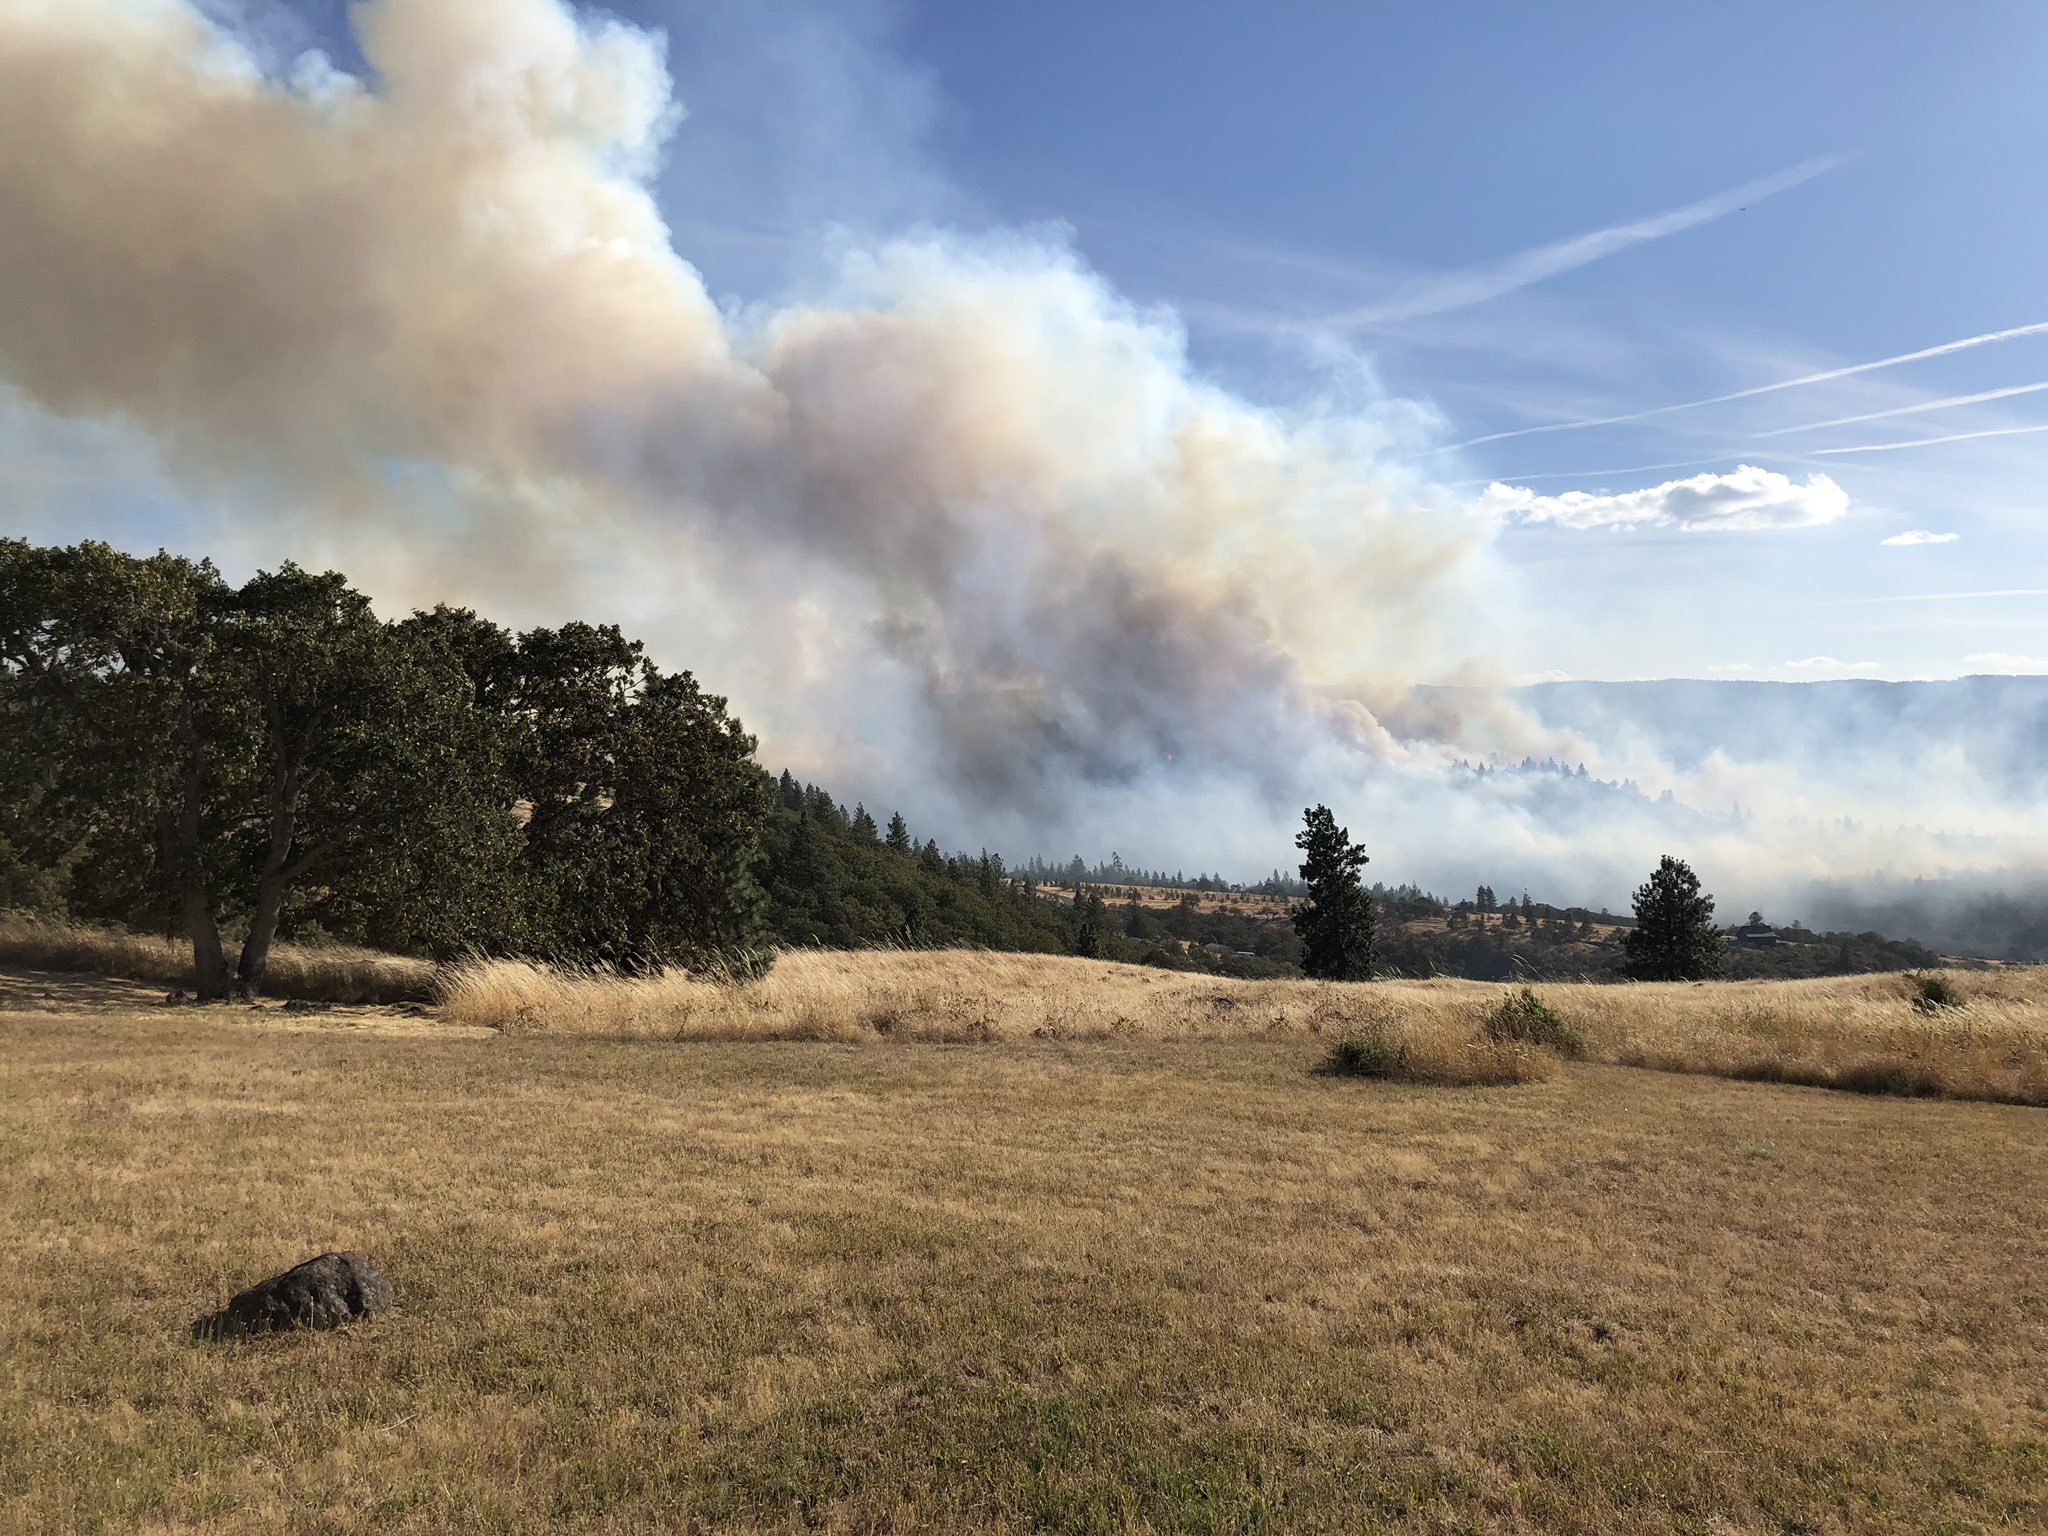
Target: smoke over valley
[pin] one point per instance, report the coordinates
(956, 525)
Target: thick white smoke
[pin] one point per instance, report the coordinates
(1088, 561)
(963, 525)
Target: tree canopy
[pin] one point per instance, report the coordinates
(1674, 938)
(274, 758)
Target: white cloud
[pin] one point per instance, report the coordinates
(2005, 661)
(1746, 498)
(1913, 536)
(1830, 664)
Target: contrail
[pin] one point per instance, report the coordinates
(1475, 285)
(1913, 410)
(1985, 340)
(1929, 442)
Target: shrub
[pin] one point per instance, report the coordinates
(1935, 994)
(1525, 1017)
(1374, 1054)
(1443, 1057)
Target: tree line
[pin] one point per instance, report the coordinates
(1673, 938)
(272, 760)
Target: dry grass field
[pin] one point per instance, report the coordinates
(1862, 1032)
(1070, 1274)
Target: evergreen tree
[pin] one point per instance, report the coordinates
(1336, 922)
(863, 824)
(1674, 938)
(1090, 936)
(898, 839)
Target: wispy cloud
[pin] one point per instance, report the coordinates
(1943, 597)
(2012, 333)
(1930, 442)
(1490, 280)
(1830, 664)
(1946, 403)
(1594, 474)
(1744, 500)
(1916, 536)
(2005, 661)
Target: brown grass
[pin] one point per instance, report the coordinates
(1859, 1033)
(1445, 1058)
(327, 974)
(1141, 1283)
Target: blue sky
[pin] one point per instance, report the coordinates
(1274, 173)
(1513, 215)
(1491, 218)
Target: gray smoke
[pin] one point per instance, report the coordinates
(962, 527)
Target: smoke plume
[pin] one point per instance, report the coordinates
(1088, 561)
(961, 523)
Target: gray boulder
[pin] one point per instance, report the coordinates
(327, 1292)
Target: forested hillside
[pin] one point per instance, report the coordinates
(273, 761)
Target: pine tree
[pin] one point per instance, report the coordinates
(1674, 938)
(899, 834)
(863, 823)
(1336, 922)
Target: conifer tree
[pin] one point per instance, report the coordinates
(1674, 938)
(899, 834)
(1336, 922)
(1089, 923)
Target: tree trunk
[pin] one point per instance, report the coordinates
(209, 962)
(279, 869)
(262, 930)
(184, 859)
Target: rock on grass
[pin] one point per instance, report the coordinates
(328, 1292)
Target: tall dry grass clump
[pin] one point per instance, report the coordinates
(959, 996)
(1865, 1033)
(1446, 1057)
(325, 973)
(941, 995)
